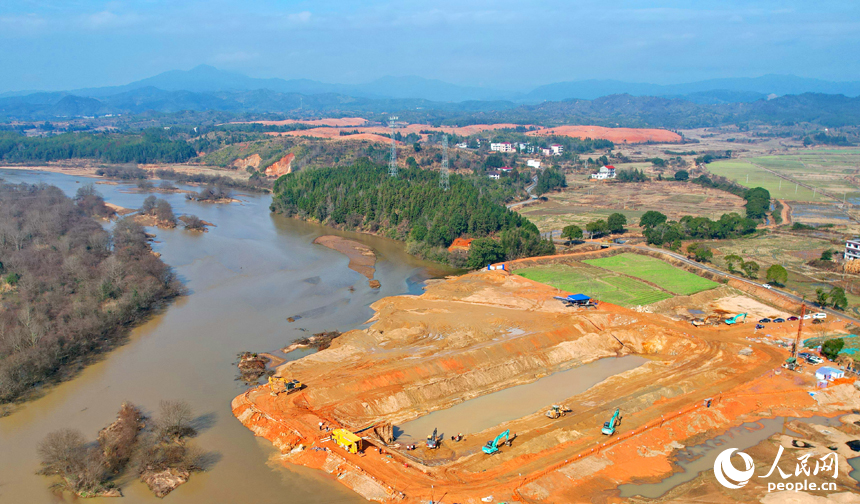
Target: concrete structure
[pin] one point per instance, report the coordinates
(546, 152)
(502, 147)
(852, 249)
(494, 174)
(463, 145)
(533, 163)
(557, 150)
(605, 172)
(828, 373)
(506, 170)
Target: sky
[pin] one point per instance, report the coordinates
(511, 45)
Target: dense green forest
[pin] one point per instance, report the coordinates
(410, 207)
(151, 146)
(68, 288)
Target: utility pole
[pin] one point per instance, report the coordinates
(444, 183)
(799, 329)
(392, 162)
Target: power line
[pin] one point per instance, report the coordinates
(443, 175)
(392, 162)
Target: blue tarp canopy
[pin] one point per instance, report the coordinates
(578, 297)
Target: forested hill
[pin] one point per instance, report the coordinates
(410, 207)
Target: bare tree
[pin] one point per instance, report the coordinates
(62, 452)
(174, 419)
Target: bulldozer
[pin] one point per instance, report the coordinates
(557, 411)
(278, 385)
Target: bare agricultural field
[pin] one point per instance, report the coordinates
(793, 252)
(597, 200)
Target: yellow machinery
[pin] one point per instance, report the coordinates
(346, 440)
(278, 385)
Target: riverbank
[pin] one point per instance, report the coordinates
(244, 277)
(489, 331)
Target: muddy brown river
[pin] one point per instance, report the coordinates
(245, 277)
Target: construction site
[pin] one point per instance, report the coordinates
(491, 387)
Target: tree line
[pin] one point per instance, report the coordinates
(410, 207)
(148, 147)
(71, 286)
(658, 230)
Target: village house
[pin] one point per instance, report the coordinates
(502, 147)
(533, 163)
(557, 150)
(494, 174)
(605, 172)
(852, 249)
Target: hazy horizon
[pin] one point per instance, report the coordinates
(504, 45)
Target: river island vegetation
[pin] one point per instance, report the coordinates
(69, 288)
(413, 208)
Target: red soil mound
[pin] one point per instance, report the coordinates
(460, 243)
(617, 135)
(342, 122)
(281, 166)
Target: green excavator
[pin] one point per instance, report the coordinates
(609, 427)
(734, 319)
(493, 446)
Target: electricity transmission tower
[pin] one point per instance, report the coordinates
(392, 163)
(443, 175)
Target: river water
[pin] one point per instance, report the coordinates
(245, 277)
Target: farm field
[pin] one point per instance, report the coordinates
(830, 170)
(750, 175)
(585, 202)
(654, 270)
(597, 283)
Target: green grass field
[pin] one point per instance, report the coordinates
(655, 271)
(597, 283)
(749, 175)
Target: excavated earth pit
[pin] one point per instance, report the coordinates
(488, 411)
(485, 332)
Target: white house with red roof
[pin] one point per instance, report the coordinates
(605, 172)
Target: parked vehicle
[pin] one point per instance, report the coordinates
(815, 359)
(804, 355)
(807, 317)
(779, 320)
(767, 286)
(764, 321)
(819, 315)
(792, 318)
(759, 326)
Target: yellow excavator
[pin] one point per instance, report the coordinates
(278, 385)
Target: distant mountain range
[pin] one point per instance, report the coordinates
(208, 79)
(205, 88)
